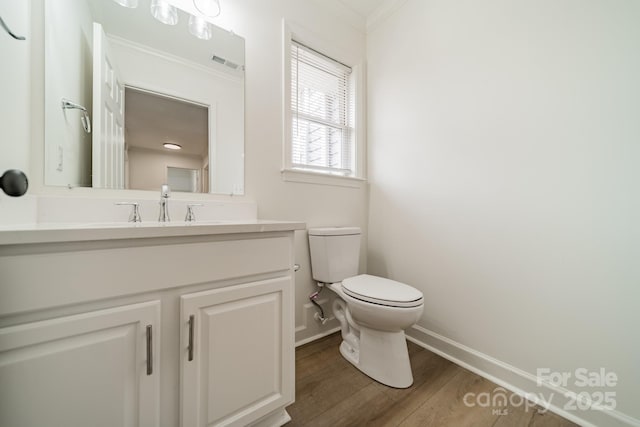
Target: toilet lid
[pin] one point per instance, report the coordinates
(334, 231)
(383, 291)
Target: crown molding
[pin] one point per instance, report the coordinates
(345, 13)
(381, 13)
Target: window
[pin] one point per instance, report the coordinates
(322, 113)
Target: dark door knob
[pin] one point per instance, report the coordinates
(14, 182)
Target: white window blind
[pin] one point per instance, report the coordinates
(322, 113)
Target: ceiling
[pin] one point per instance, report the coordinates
(362, 7)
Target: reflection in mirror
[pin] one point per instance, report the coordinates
(167, 141)
(180, 179)
(109, 59)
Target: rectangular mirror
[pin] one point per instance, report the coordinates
(122, 89)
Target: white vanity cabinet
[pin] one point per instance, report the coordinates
(149, 326)
(89, 369)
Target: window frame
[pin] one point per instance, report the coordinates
(293, 32)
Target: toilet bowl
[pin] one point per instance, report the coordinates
(373, 311)
(373, 337)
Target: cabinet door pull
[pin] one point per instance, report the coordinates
(149, 350)
(191, 322)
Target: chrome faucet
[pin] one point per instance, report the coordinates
(135, 213)
(165, 191)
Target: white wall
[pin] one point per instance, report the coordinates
(68, 74)
(14, 86)
(147, 169)
(504, 142)
(260, 22)
(15, 113)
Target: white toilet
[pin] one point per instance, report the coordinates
(373, 311)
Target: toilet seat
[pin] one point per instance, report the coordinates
(378, 290)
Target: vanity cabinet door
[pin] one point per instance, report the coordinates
(88, 369)
(237, 353)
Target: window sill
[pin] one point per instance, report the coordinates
(309, 177)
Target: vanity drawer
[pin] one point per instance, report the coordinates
(45, 277)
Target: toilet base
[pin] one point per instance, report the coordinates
(382, 356)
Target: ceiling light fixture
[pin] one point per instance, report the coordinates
(172, 146)
(165, 12)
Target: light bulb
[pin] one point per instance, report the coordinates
(200, 28)
(127, 3)
(164, 12)
(209, 8)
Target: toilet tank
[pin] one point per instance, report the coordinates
(335, 253)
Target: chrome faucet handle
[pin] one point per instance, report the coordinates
(165, 192)
(191, 217)
(135, 212)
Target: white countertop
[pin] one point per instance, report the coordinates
(78, 232)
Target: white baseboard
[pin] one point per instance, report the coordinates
(317, 336)
(277, 418)
(518, 381)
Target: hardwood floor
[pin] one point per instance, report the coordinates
(331, 392)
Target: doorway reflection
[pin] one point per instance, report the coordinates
(166, 141)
